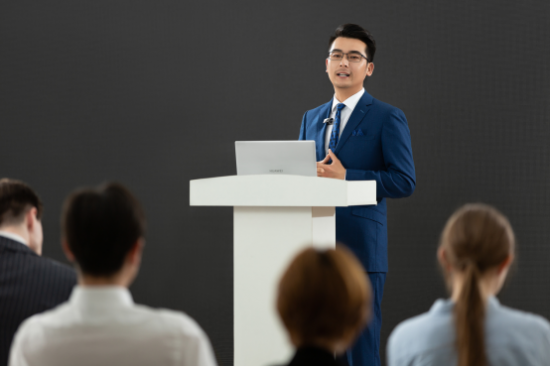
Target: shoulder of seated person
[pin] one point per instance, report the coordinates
(411, 327)
(527, 319)
(176, 320)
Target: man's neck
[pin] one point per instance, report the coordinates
(342, 94)
(122, 278)
(16, 231)
(92, 281)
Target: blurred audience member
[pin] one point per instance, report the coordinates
(103, 233)
(29, 283)
(324, 301)
(472, 327)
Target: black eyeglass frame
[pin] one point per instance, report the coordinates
(346, 54)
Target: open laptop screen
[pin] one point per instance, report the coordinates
(276, 157)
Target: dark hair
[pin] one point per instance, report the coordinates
(354, 31)
(100, 226)
(323, 294)
(16, 198)
(476, 238)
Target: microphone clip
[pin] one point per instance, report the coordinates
(328, 121)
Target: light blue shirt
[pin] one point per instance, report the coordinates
(512, 337)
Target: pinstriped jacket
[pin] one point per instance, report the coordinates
(29, 284)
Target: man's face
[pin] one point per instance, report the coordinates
(346, 74)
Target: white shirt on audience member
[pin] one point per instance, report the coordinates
(102, 326)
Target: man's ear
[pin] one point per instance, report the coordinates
(370, 68)
(326, 65)
(135, 253)
(68, 253)
(30, 219)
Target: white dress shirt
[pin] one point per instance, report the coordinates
(350, 103)
(103, 326)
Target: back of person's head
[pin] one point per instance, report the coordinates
(101, 226)
(477, 239)
(16, 199)
(355, 31)
(324, 298)
(17, 202)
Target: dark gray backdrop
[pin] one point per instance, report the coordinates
(154, 94)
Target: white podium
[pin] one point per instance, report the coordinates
(275, 216)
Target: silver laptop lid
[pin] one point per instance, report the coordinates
(276, 157)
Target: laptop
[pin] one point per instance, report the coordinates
(276, 157)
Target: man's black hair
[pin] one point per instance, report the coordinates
(354, 31)
(101, 226)
(16, 198)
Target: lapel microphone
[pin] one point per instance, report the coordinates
(328, 121)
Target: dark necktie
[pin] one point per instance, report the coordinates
(336, 128)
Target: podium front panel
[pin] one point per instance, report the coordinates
(265, 241)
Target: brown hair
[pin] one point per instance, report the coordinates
(355, 31)
(324, 295)
(16, 198)
(101, 225)
(475, 239)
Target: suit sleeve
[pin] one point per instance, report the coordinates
(398, 179)
(303, 128)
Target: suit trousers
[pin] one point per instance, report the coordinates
(366, 350)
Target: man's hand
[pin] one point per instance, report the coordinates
(332, 170)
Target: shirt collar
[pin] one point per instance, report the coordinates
(101, 297)
(351, 102)
(14, 237)
(447, 305)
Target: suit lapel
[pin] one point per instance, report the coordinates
(321, 130)
(358, 114)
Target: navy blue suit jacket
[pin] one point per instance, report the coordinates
(374, 145)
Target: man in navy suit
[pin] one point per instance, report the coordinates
(361, 138)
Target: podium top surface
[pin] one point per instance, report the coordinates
(280, 190)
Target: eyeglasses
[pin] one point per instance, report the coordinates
(352, 56)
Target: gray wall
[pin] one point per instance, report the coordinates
(154, 94)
